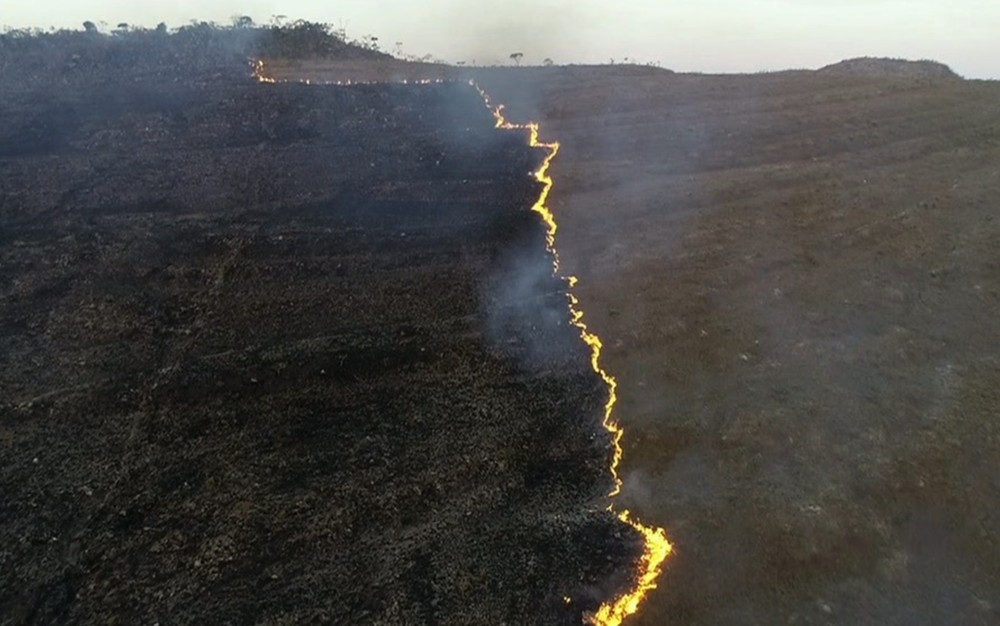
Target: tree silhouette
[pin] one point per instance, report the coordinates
(548, 62)
(516, 57)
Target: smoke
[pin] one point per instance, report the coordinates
(527, 309)
(489, 37)
(476, 33)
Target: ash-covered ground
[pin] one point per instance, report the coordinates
(285, 354)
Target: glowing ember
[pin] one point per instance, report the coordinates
(657, 547)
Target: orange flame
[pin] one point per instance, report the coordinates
(257, 65)
(657, 546)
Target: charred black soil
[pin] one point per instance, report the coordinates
(282, 354)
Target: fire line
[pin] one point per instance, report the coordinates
(656, 545)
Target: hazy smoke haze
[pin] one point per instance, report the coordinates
(709, 36)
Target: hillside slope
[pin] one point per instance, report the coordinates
(282, 354)
(795, 276)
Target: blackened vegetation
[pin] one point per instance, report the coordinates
(248, 374)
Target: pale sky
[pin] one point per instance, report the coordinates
(684, 35)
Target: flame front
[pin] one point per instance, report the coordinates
(257, 69)
(657, 546)
(257, 66)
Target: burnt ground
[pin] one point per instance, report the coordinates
(796, 278)
(285, 354)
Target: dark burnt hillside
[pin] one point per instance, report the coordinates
(287, 354)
